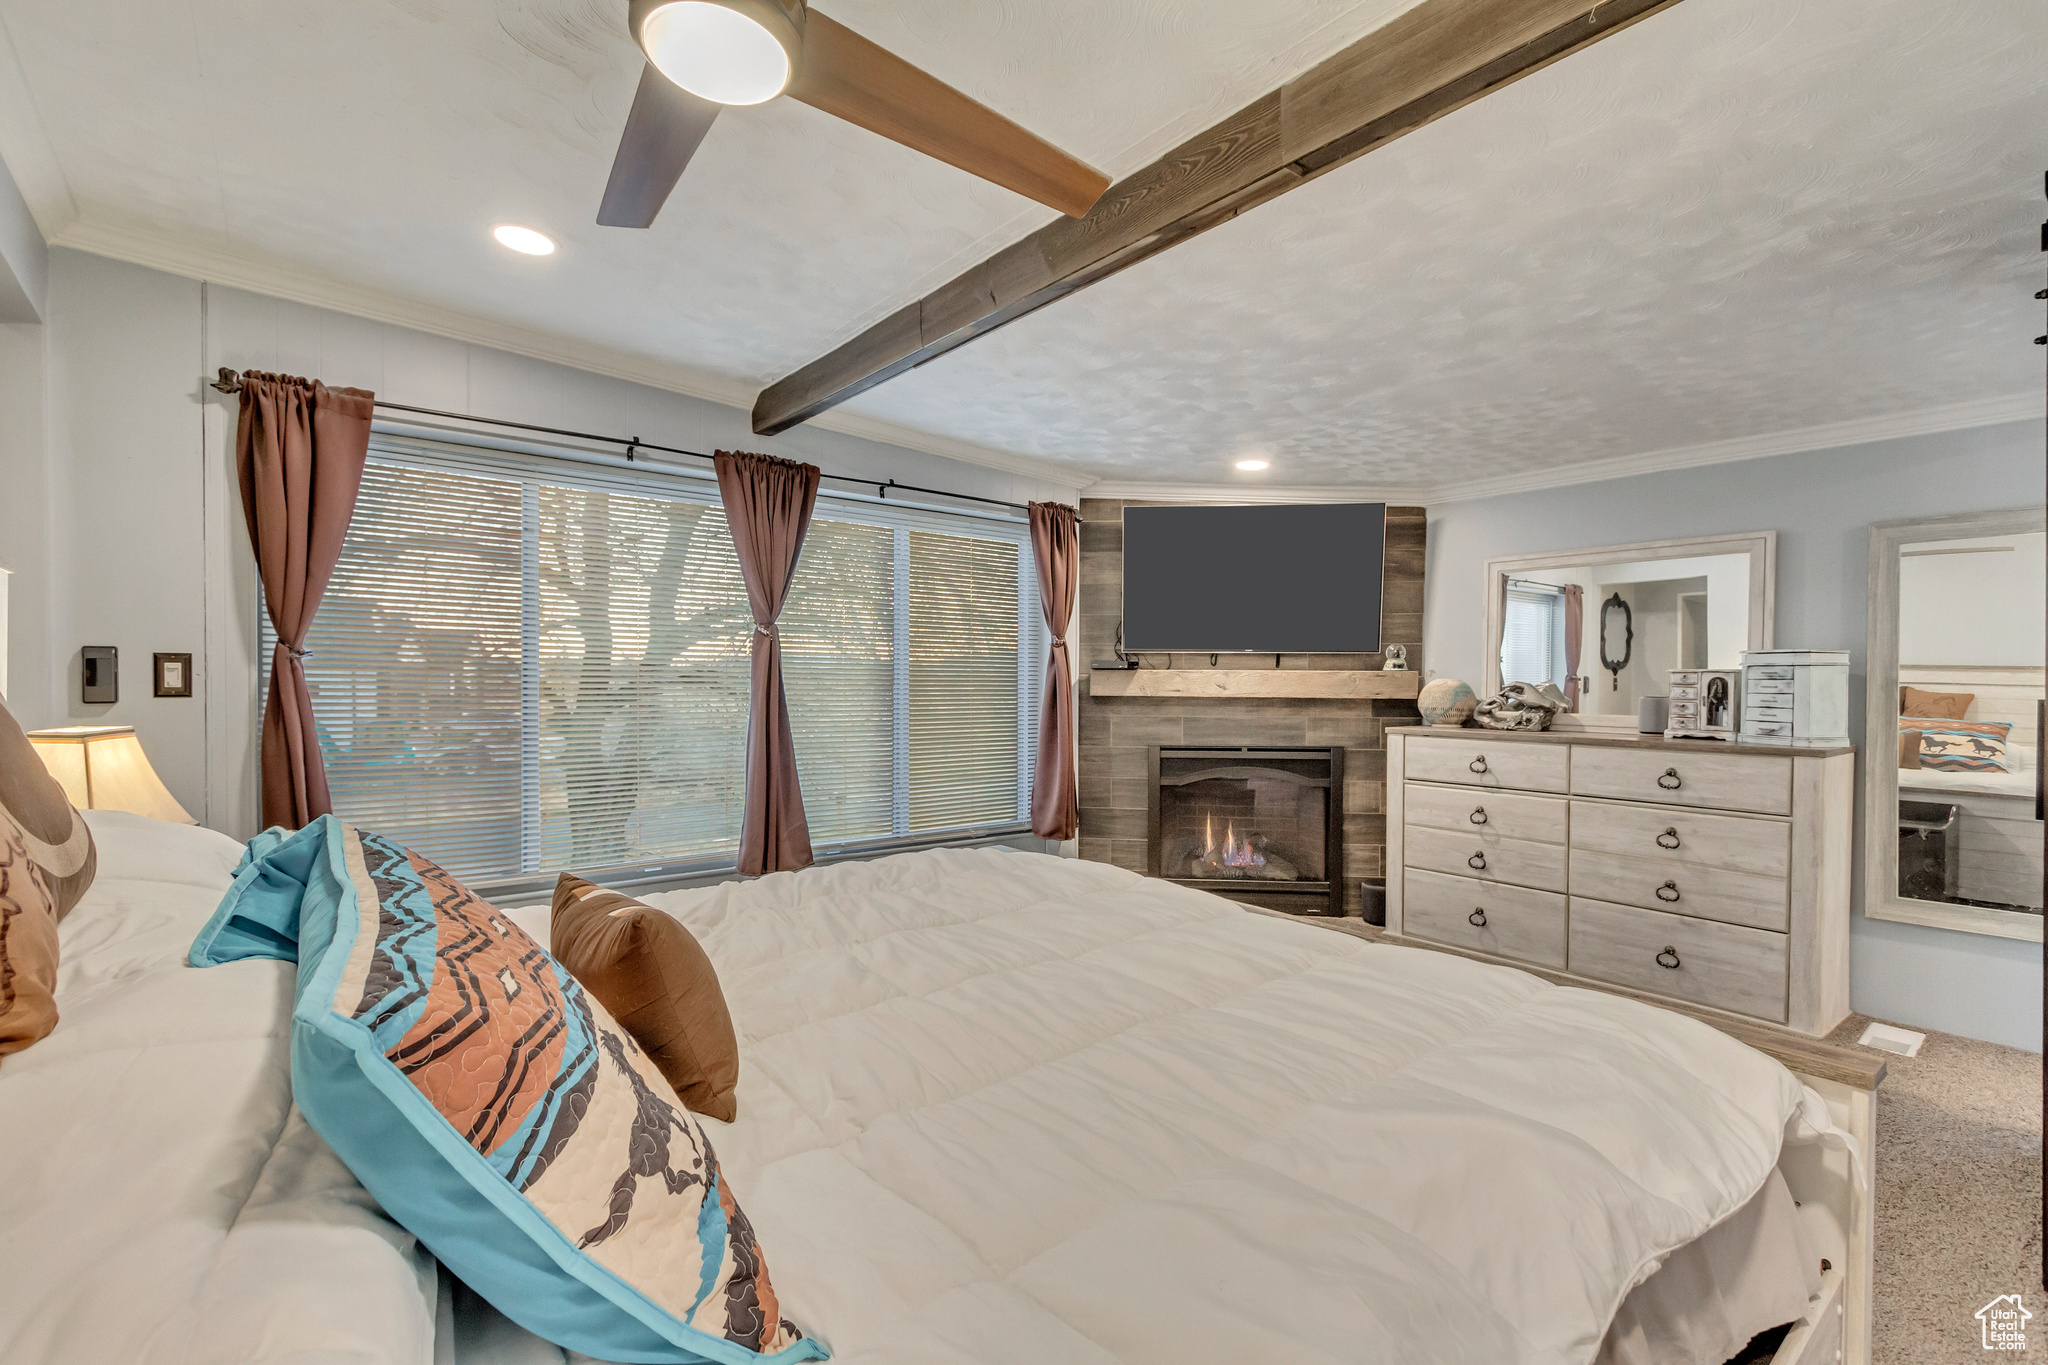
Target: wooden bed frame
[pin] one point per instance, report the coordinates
(1836, 1208)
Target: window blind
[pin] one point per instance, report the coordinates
(523, 666)
(1528, 646)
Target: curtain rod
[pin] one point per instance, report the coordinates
(229, 381)
(1538, 583)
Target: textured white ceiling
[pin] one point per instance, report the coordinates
(379, 140)
(1737, 217)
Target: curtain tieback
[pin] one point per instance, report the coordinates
(295, 651)
(770, 630)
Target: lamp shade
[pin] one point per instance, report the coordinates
(102, 767)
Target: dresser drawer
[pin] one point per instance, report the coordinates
(1720, 965)
(1685, 889)
(1480, 811)
(1739, 843)
(1477, 763)
(1673, 777)
(1519, 862)
(1508, 921)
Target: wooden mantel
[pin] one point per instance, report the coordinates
(1344, 684)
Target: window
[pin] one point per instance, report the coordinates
(524, 666)
(1532, 641)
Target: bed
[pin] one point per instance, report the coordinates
(994, 1107)
(2000, 837)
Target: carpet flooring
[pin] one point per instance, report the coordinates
(1958, 1198)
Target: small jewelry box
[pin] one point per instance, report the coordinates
(1795, 696)
(1705, 704)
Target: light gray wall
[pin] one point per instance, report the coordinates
(1821, 504)
(121, 495)
(24, 260)
(24, 514)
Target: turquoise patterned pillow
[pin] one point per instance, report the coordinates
(1959, 746)
(494, 1108)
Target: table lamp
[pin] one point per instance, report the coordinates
(102, 767)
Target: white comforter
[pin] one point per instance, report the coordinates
(996, 1107)
(161, 1200)
(993, 1108)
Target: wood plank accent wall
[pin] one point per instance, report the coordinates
(1115, 732)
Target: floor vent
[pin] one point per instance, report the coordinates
(1884, 1037)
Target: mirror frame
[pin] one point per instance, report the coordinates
(1881, 899)
(1760, 546)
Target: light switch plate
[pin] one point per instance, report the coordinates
(173, 675)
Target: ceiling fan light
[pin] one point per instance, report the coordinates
(716, 52)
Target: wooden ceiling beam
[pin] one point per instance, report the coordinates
(1424, 63)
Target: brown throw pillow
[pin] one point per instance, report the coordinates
(46, 863)
(1909, 748)
(653, 976)
(1934, 705)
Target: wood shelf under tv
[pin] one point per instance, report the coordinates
(1359, 684)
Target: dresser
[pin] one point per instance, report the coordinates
(1713, 873)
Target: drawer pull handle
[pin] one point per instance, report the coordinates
(1668, 839)
(1478, 816)
(1672, 887)
(1670, 781)
(1477, 862)
(1478, 917)
(1671, 953)
(1478, 765)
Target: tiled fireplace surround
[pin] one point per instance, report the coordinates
(1115, 732)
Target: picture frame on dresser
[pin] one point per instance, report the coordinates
(1755, 558)
(1988, 824)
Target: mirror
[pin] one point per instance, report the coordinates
(1607, 626)
(1953, 834)
(1617, 641)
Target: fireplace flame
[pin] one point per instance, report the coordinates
(1234, 852)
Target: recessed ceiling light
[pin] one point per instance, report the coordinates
(1251, 466)
(524, 239)
(718, 53)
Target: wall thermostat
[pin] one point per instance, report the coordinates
(99, 674)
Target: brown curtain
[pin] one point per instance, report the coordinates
(1574, 631)
(300, 447)
(1055, 793)
(768, 505)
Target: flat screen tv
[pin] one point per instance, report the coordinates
(1300, 579)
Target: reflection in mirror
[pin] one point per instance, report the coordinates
(1610, 634)
(1971, 644)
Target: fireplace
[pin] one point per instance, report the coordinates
(1263, 826)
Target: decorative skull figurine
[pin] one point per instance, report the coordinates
(1521, 706)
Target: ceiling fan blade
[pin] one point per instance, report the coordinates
(846, 75)
(661, 136)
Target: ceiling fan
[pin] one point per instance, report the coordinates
(705, 54)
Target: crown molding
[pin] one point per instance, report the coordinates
(1406, 495)
(279, 279)
(26, 148)
(1981, 412)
